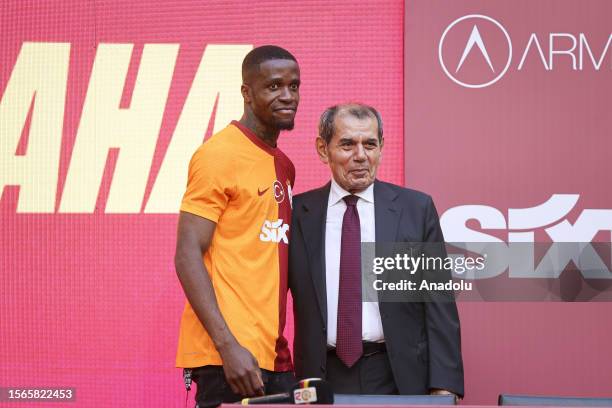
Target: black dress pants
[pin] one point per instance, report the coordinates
(370, 375)
(213, 389)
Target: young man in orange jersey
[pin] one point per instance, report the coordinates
(232, 243)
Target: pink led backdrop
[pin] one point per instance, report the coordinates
(506, 104)
(88, 295)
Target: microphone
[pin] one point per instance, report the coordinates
(313, 391)
(308, 391)
(283, 398)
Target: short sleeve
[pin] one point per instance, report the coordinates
(210, 184)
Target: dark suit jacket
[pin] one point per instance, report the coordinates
(423, 339)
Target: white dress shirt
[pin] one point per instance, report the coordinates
(371, 324)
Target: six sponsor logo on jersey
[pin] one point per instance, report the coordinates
(276, 231)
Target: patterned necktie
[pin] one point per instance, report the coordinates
(348, 340)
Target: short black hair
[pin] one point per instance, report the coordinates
(358, 110)
(261, 54)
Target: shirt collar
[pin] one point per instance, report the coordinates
(337, 193)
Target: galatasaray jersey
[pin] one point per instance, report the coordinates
(244, 186)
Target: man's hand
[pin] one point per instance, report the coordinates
(241, 370)
(438, 391)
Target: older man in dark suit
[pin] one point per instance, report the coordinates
(364, 347)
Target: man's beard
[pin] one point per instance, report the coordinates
(284, 125)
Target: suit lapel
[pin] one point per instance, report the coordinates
(386, 213)
(313, 226)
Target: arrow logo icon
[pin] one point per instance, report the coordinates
(475, 39)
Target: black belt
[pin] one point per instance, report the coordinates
(369, 348)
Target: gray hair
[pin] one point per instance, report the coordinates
(358, 110)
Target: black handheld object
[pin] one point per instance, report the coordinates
(308, 391)
(284, 398)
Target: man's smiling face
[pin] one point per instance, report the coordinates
(275, 93)
(353, 153)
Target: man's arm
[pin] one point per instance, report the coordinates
(193, 239)
(443, 330)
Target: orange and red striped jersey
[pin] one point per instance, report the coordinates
(244, 186)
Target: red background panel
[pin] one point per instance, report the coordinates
(513, 144)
